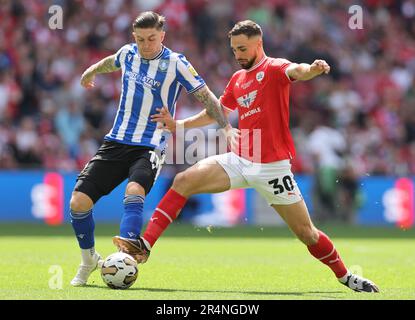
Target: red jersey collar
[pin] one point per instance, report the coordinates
(258, 64)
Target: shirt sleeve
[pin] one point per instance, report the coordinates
(280, 66)
(187, 75)
(119, 56)
(227, 99)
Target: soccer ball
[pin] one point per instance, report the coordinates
(119, 271)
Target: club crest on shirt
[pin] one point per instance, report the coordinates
(248, 99)
(163, 65)
(260, 76)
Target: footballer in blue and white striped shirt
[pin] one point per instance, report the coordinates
(152, 78)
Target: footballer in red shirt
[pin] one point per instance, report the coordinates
(261, 95)
(261, 157)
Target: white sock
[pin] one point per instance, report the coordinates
(87, 256)
(344, 278)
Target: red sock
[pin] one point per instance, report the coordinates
(325, 251)
(164, 214)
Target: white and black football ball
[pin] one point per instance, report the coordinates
(119, 271)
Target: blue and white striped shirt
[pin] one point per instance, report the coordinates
(147, 85)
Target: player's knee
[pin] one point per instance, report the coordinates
(180, 180)
(307, 234)
(80, 202)
(134, 188)
(183, 183)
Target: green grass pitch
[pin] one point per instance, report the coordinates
(240, 263)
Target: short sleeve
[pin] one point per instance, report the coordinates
(227, 99)
(280, 66)
(187, 75)
(121, 53)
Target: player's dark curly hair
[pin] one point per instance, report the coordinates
(149, 19)
(246, 27)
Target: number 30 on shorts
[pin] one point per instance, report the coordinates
(287, 184)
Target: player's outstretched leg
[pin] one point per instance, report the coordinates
(207, 176)
(320, 246)
(83, 225)
(358, 283)
(325, 251)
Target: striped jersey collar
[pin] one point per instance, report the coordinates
(159, 55)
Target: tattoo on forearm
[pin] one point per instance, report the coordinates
(105, 65)
(212, 105)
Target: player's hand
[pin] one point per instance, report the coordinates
(233, 136)
(164, 119)
(88, 79)
(319, 66)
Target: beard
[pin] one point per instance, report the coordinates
(246, 64)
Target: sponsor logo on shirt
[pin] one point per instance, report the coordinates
(143, 79)
(248, 99)
(247, 84)
(250, 113)
(193, 71)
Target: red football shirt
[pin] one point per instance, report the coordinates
(261, 95)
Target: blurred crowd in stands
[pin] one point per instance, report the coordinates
(358, 120)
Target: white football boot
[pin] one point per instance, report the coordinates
(358, 283)
(85, 270)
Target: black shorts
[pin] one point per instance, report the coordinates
(113, 163)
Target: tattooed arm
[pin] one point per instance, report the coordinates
(166, 121)
(213, 112)
(213, 107)
(104, 66)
